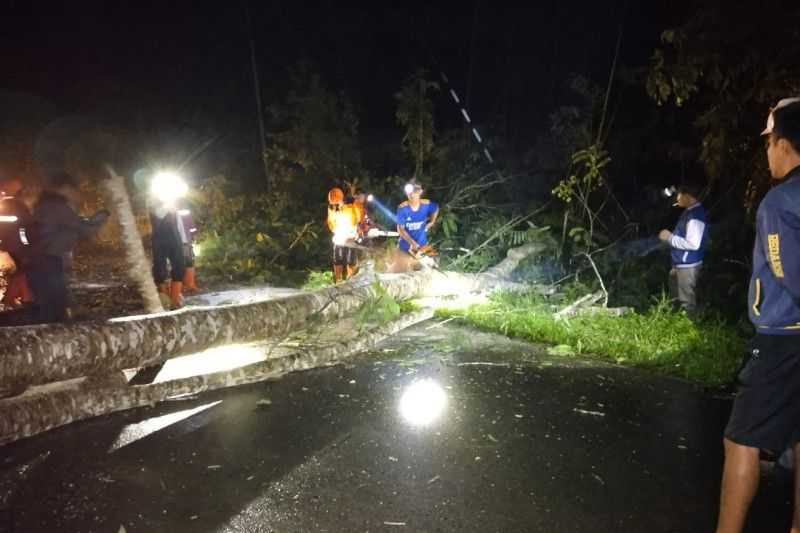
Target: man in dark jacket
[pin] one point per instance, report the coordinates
(57, 228)
(766, 412)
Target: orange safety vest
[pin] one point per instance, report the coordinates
(344, 220)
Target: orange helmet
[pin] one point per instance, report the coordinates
(335, 196)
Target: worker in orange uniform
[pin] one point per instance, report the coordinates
(343, 219)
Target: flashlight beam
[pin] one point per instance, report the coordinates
(384, 210)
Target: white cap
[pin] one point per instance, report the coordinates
(771, 117)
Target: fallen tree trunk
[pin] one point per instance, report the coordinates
(34, 412)
(35, 355)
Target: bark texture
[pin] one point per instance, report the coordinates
(35, 412)
(116, 194)
(94, 353)
(36, 355)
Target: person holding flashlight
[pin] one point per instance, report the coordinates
(415, 217)
(688, 246)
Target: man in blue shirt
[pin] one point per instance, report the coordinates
(688, 243)
(766, 412)
(414, 218)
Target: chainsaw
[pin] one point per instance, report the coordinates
(360, 242)
(425, 256)
(376, 232)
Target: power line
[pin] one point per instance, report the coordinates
(466, 117)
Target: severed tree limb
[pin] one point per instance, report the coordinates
(42, 354)
(92, 355)
(572, 309)
(599, 278)
(37, 355)
(33, 412)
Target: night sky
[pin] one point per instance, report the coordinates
(187, 64)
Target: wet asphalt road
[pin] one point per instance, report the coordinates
(443, 429)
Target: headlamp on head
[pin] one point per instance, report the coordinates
(669, 192)
(168, 187)
(412, 188)
(370, 197)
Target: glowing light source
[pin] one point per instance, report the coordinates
(344, 228)
(8, 218)
(423, 402)
(408, 189)
(668, 191)
(370, 198)
(168, 187)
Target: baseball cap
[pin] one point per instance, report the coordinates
(771, 118)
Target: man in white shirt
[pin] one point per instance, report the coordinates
(688, 243)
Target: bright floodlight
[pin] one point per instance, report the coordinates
(423, 402)
(168, 187)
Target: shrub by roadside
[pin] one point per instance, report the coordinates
(667, 341)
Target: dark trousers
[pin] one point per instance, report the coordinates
(48, 283)
(188, 255)
(163, 252)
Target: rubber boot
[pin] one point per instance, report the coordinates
(175, 298)
(338, 273)
(163, 294)
(189, 285)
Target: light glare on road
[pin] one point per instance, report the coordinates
(423, 402)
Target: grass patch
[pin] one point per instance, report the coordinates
(318, 280)
(409, 306)
(707, 351)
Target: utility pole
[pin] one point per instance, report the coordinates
(257, 89)
(472, 53)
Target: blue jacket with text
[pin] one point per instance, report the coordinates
(774, 294)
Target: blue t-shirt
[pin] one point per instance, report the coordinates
(414, 222)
